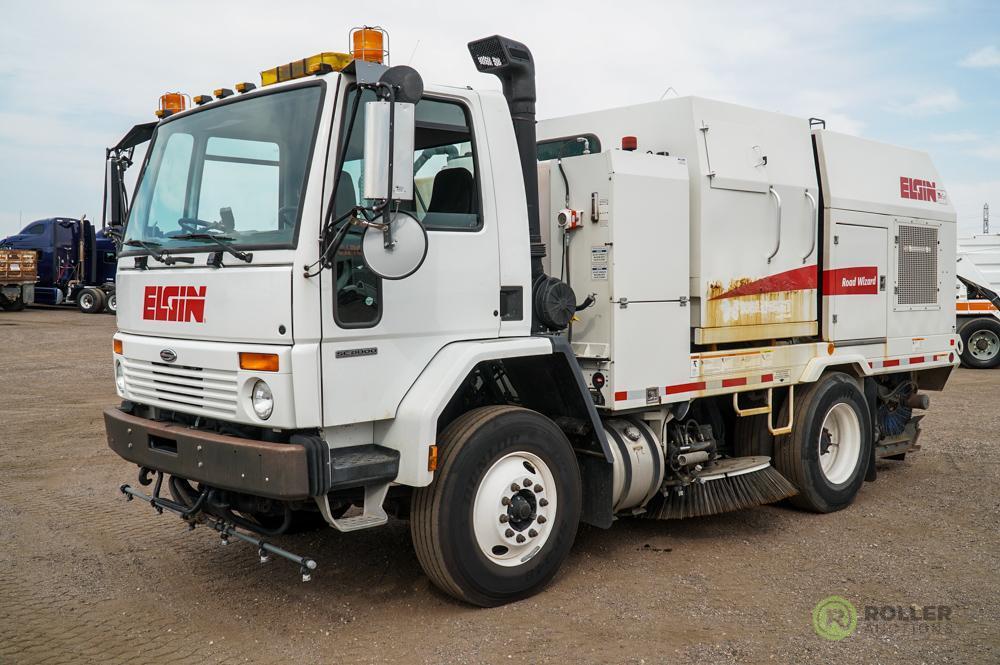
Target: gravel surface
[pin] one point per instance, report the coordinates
(87, 577)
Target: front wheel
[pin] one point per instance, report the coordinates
(827, 453)
(981, 343)
(502, 513)
(111, 306)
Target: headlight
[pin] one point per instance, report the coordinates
(262, 400)
(120, 377)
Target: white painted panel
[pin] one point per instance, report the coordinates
(854, 287)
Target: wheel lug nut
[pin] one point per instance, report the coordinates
(509, 533)
(527, 482)
(514, 487)
(520, 538)
(543, 502)
(505, 501)
(538, 488)
(542, 519)
(532, 533)
(503, 519)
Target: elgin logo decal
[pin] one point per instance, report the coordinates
(921, 190)
(185, 304)
(862, 281)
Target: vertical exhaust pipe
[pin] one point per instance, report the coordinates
(553, 302)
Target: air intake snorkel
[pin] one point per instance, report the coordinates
(510, 61)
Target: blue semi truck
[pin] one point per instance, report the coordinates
(77, 262)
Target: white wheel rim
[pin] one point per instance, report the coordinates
(984, 345)
(506, 532)
(87, 300)
(112, 303)
(840, 436)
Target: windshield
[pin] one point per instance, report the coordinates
(237, 171)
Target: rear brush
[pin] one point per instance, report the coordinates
(728, 485)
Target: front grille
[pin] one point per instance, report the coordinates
(917, 279)
(209, 392)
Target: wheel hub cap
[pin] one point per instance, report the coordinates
(514, 509)
(984, 344)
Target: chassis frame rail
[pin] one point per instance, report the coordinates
(226, 530)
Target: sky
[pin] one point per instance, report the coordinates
(75, 76)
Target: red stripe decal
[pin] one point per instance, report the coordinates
(685, 387)
(916, 359)
(621, 396)
(890, 363)
(790, 280)
(767, 378)
(729, 383)
(858, 281)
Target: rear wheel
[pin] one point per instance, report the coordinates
(90, 300)
(502, 513)
(981, 343)
(827, 453)
(12, 305)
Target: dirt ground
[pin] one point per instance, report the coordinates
(87, 577)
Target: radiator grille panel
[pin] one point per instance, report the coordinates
(190, 389)
(917, 281)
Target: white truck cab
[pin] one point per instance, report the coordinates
(336, 300)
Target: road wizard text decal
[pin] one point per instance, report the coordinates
(858, 281)
(185, 304)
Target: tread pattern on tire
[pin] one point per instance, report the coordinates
(424, 524)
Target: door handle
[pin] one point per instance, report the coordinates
(777, 198)
(881, 283)
(815, 225)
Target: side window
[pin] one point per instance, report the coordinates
(446, 188)
(35, 230)
(166, 205)
(568, 146)
(243, 176)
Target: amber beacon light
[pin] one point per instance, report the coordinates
(370, 44)
(171, 103)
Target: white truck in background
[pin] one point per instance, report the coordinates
(337, 302)
(976, 303)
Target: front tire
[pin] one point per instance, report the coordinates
(111, 306)
(501, 515)
(981, 343)
(826, 456)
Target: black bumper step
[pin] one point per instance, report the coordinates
(342, 468)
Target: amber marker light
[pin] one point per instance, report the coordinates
(259, 362)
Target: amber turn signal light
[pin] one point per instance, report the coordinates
(118, 346)
(432, 458)
(259, 362)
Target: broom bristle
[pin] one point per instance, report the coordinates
(724, 494)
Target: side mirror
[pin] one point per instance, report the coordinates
(389, 135)
(389, 124)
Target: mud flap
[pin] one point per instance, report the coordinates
(871, 396)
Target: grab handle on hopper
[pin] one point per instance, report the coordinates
(777, 245)
(815, 225)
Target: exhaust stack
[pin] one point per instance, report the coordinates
(511, 62)
(552, 300)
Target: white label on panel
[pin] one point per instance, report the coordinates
(599, 263)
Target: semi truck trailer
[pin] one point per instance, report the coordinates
(18, 273)
(345, 295)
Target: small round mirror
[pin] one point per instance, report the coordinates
(398, 253)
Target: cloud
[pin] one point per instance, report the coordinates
(990, 151)
(944, 101)
(955, 137)
(988, 56)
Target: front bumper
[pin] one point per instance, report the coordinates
(305, 467)
(260, 468)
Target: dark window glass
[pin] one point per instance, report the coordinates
(569, 146)
(35, 230)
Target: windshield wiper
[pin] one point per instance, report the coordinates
(220, 240)
(150, 246)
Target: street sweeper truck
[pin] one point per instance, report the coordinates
(344, 295)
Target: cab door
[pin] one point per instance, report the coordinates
(379, 335)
